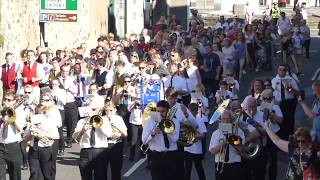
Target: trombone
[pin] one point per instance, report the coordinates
(165, 125)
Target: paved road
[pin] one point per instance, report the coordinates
(67, 165)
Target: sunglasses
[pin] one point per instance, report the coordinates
(45, 100)
(267, 98)
(127, 81)
(142, 67)
(134, 56)
(27, 92)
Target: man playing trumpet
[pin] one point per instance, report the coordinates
(10, 136)
(92, 133)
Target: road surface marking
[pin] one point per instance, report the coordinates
(134, 167)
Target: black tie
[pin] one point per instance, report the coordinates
(166, 140)
(8, 67)
(171, 81)
(92, 136)
(35, 143)
(283, 96)
(29, 65)
(5, 131)
(226, 157)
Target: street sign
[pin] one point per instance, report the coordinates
(59, 5)
(58, 11)
(55, 17)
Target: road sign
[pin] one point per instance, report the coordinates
(55, 17)
(59, 5)
(58, 11)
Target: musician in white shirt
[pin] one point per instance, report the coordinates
(273, 113)
(164, 153)
(194, 153)
(119, 133)
(10, 136)
(174, 80)
(41, 132)
(231, 159)
(53, 113)
(254, 117)
(70, 108)
(223, 93)
(94, 146)
(288, 89)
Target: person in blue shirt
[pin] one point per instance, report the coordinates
(313, 113)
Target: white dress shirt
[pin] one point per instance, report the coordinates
(178, 82)
(13, 135)
(118, 123)
(217, 138)
(72, 89)
(196, 147)
(60, 97)
(101, 140)
(276, 85)
(156, 143)
(54, 115)
(81, 81)
(49, 125)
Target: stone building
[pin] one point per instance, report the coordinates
(19, 26)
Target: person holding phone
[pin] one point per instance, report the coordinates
(313, 113)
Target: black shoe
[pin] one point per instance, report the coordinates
(25, 166)
(69, 145)
(61, 153)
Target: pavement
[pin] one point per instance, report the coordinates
(67, 166)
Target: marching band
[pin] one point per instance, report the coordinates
(124, 105)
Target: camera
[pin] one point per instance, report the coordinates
(125, 93)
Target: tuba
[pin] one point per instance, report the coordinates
(249, 150)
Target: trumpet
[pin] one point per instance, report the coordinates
(8, 114)
(37, 131)
(96, 121)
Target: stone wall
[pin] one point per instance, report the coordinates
(19, 25)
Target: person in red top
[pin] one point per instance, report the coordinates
(142, 45)
(11, 71)
(32, 73)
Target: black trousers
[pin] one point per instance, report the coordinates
(211, 86)
(23, 148)
(55, 148)
(71, 118)
(232, 171)
(255, 169)
(288, 108)
(136, 132)
(60, 130)
(164, 165)
(190, 158)
(10, 155)
(272, 159)
(115, 158)
(306, 45)
(92, 163)
(40, 162)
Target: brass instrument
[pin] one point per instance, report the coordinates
(37, 131)
(165, 125)
(96, 121)
(151, 107)
(8, 114)
(187, 136)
